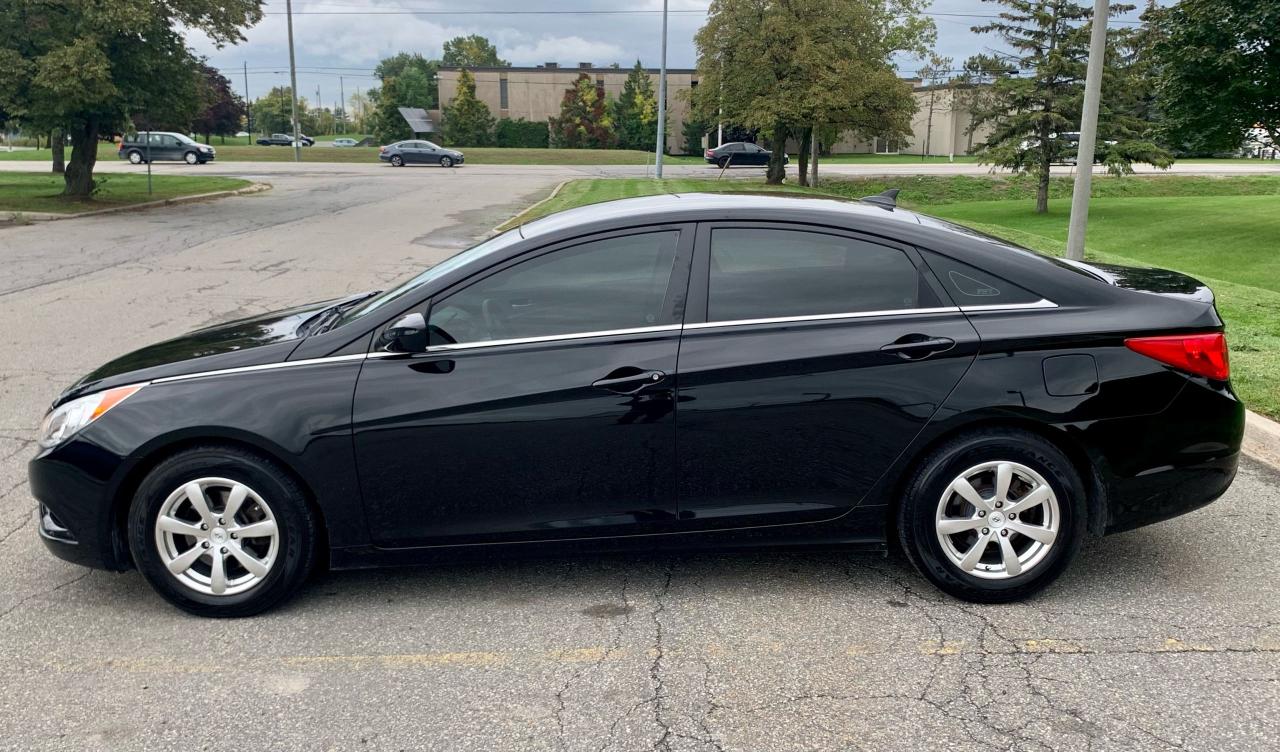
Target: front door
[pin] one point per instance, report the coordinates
(810, 360)
(543, 407)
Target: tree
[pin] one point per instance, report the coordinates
(973, 89)
(467, 120)
(934, 74)
(222, 107)
(271, 111)
(407, 81)
(90, 65)
(635, 113)
(472, 51)
(584, 121)
(1219, 71)
(520, 133)
(783, 66)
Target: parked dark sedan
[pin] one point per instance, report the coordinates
(402, 153)
(158, 146)
(739, 154)
(695, 371)
(284, 139)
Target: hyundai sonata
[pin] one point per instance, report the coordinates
(693, 371)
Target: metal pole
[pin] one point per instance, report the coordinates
(662, 99)
(342, 101)
(1088, 132)
(148, 161)
(293, 85)
(248, 106)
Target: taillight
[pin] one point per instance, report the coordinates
(1201, 354)
(381, 149)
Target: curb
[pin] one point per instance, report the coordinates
(1262, 439)
(497, 228)
(13, 216)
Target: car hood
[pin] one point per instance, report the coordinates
(257, 340)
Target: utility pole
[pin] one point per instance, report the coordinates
(342, 99)
(248, 106)
(293, 85)
(662, 98)
(1088, 132)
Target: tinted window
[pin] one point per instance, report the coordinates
(618, 283)
(762, 273)
(968, 285)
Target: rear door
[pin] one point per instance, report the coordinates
(810, 359)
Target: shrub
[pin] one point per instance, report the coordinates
(521, 133)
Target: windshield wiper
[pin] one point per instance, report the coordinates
(322, 320)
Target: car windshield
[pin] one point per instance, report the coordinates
(184, 139)
(496, 243)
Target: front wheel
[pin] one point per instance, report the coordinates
(190, 158)
(446, 161)
(993, 516)
(221, 532)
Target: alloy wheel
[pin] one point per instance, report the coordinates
(998, 520)
(217, 536)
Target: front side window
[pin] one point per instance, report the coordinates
(766, 273)
(603, 285)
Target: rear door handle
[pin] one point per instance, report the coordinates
(629, 383)
(918, 346)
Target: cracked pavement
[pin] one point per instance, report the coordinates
(1162, 638)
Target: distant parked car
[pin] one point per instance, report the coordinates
(164, 146)
(739, 153)
(344, 142)
(1067, 147)
(284, 139)
(402, 153)
(242, 134)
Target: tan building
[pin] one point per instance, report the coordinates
(535, 93)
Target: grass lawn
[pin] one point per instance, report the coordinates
(38, 192)
(1223, 231)
(889, 159)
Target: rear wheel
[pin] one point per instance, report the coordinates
(993, 516)
(221, 532)
(722, 162)
(135, 157)
(397, 161)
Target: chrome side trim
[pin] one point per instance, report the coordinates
(554, 338)
(1041, 303)
(264, 367)
(823, 317)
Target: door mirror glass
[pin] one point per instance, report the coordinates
(407, 334)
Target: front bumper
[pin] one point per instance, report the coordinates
(75, 518)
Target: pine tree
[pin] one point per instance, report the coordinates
(467, 120)
(584, 121)
(635, 113)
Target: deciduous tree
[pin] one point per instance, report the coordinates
(222, 108)
(472, 51)
(407, 81)
(584, 121)
(85, 66)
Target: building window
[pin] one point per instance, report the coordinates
(502, 93)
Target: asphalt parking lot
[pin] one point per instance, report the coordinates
(1162, 638)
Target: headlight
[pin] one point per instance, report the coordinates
(64, 420)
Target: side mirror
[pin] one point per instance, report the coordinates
(408, 334)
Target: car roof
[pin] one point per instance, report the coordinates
(732, 206)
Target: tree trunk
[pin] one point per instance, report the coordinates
(777, 171)
(928, 128)
(1042, 187)
(813, 162)
(803, 157)
(56, 141)
(78, 178)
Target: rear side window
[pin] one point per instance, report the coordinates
(765, 273)
(614, 283)
(969, 286)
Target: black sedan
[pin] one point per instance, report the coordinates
(740, 154)
(402, 153)
(696, 371)
(284, 139)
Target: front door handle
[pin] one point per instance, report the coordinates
(918, 346)
(629, 380)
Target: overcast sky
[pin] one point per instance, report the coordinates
(347, 38)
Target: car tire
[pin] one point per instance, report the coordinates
(258, 557)
(135, 157)
(397, 160)
(446, 161)
(992, 557)
(191, 158)
(722, 162)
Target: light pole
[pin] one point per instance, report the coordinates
(1088, 132)
(662, 98)
(293, 85)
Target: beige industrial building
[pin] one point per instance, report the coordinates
(535, 94)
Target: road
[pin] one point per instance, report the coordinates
(1162, 638)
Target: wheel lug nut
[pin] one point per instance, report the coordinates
(221, 521)
(1005, 533)
(985, 531)
(1013, 515)
(982, 513)
(233, 536)
(998, 505)
(224, 549)
(204, 544)
(203, 526)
